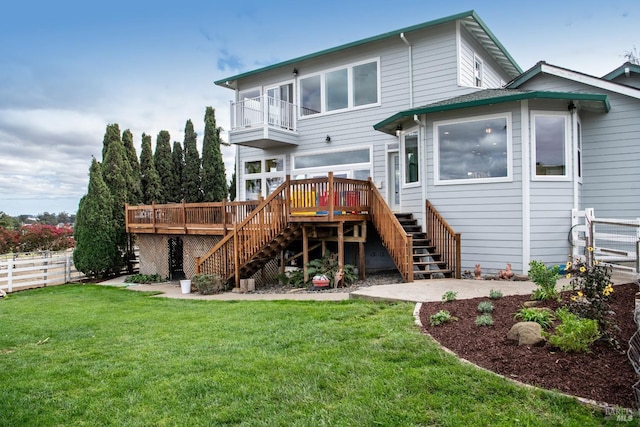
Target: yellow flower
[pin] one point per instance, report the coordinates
(568, 275)
(568, 266)
(574, 298)
(582, 269)
(590, 248)
(580, 294)
(595, 262)
(607, 290)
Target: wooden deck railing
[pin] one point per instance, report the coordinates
(444, 238)
(329, 197)
(187, 218)
(398, 243)
(261, 226)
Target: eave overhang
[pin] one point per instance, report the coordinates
(587, 101)
(469, 19)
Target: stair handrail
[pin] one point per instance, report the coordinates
(399, 244)
(444, 238)
(248, 237)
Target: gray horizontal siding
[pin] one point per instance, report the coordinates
(488, 215)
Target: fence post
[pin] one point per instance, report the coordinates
(10, 273)
(67, 269)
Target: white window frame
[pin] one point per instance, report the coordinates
(350, 87)
(347, 168)
(403, 165)
(263, 175)
(567, 146)
(436, 151)
(579, 160)
(478, 71)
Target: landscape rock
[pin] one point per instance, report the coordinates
(533, 303)
(526, 333)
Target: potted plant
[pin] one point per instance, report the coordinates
(323, 271)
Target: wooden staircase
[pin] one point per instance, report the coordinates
(281, 218)
(287, 236)
(427, 262)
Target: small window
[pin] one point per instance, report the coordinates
(550, 142)
(478, 72)
(411, 165)
(579, 156)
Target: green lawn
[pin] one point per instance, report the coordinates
(93, 355)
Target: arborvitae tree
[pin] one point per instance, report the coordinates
(163, 164)
(94, 231)
(192, 189)
(177, 161)
(149, 179)
(214, 178)
(112, 134)
(232, 187)
(135, 191)
(116, 172)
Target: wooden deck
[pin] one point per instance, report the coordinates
(319, 200)
(255, 231)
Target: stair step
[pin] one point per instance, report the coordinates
(403, 215)
(429, 273)
(435, 256)
(425, 263)
(412, 229)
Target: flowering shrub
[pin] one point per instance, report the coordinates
(40, 237)
(592, 287)
(8, 240)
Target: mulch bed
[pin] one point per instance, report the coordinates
(604, 375)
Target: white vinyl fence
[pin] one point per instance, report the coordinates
(615, 242)
(28, 270)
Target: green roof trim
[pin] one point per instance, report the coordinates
(469, 14)
(489, 97)
(633, 68)
(526, 76)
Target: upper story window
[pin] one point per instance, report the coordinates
(550, 142)
(476, 150)
(478, 71)
(353, 86)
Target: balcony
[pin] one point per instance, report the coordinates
(263, 122)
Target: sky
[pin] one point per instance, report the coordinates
(70, 68)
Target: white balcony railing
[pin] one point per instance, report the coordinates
(263, 111)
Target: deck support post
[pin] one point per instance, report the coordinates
(305, 252)
(236, 255)
(340, 253)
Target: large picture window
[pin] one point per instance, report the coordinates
(352, 86)
(476, 150)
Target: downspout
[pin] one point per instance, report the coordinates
(404, 39)
(574, 153)
(525, 131)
